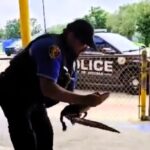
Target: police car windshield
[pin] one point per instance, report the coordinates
(119, 42)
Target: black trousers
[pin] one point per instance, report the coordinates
(31, 130)
(28, 122)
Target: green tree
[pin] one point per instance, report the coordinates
(123, 21)
(97, 17)
(2, 33)
(56, 29)
(13, 28)
(143, 21)
(35, 27)
(143, 26)
(130, 19)
(113, 23)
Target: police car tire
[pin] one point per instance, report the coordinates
(132, 89)
(135, 89)
(8, 53)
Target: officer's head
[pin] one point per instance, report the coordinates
(79, 35)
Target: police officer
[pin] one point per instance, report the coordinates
(36, 78)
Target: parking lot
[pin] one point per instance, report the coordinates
(119, 111)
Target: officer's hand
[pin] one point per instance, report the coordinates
(96, 98)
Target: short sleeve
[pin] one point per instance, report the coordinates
(46, 66)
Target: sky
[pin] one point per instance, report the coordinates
(57, 11)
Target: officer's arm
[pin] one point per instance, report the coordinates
(52, 90)
(48, 70)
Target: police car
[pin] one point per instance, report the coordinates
(12, 46)
(115, 65)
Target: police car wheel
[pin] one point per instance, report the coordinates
(8, 53)
(133, 84)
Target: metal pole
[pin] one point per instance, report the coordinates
(143, 85)
(24, 22)
(44, 17)
(149, 93)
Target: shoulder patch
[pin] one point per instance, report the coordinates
(54, 51)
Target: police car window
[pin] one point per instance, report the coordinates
(103, 46)
(98, 41)
(119, 42)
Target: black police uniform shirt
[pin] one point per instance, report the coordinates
(48, 57)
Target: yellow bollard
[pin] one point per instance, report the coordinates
(24, 22)
(143, 85)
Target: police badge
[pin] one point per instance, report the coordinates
(54, 51)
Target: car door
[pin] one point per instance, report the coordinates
(97, 67)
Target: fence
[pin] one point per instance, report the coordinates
(119, 74)
(112, 73)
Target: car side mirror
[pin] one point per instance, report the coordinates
(107, 51)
